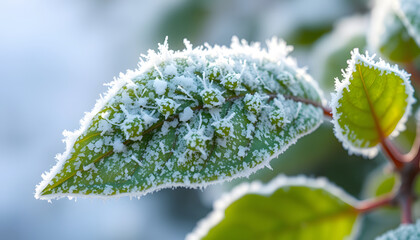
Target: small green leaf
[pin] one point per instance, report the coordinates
(371, 103)
(188, 118)
(404, 232)
(379, 182)
(382, 181)
(286, 208)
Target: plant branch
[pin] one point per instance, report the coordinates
(326, 110)
(372, 204)
(393, 153)
(405, 195)
(406, 209)
(415, 74)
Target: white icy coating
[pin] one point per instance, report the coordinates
(169, 155)
(186, 115)
(256, 187)
(385, 68)
(409, 13)
(403, 232)
(160, 86)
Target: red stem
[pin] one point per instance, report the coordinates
(406, 209)
(372, 204)
(393, 153)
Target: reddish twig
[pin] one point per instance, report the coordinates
(327, 112)
(406, 209)
(372, 204)
(393, 153)
(415, 74)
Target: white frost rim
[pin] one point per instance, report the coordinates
(256, 187)
(367, 60)
(277, 50)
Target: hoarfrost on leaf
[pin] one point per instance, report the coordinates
(403, 232)
(188, 118)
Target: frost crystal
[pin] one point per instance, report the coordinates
(133, 126)
(167, 106)
(253, 103)
(212, 97)
(404, 232)
(232, 82)
(187, 118)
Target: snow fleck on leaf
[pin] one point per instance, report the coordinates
(188, 118)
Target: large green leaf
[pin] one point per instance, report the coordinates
(392, 32)
(188, 118)
(287, 208)
(404, 232)
(371, 103)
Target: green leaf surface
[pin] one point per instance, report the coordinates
(286, 208)
(188, 118)
(404, 232)
(371, 103)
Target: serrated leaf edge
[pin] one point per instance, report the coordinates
(257, 187)
(367, 59)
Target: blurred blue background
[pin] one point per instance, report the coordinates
(55, 56)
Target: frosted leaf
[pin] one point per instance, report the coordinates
(403, 232)
(187, 118)
(371, 103)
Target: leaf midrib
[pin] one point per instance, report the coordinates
(372, 109)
